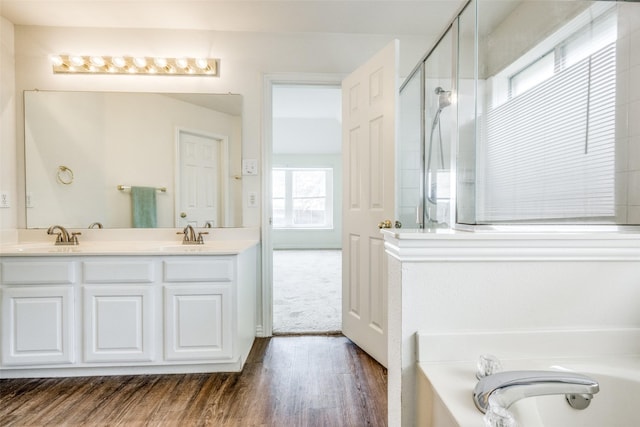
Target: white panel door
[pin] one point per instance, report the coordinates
(200, 180)
(368, 133)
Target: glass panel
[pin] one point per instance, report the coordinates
(309, 183)
(467, 106)
(309, 212)
(533, 75)
(409, 188)
(278, 182)
(555, 152)
(302, 198)
(439, 122)
(279, 213)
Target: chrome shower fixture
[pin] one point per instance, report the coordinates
(444, 97)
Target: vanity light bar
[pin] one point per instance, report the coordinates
(76, 64)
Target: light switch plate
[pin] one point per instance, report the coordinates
(252, 201)
(4, 199)
(249, 167)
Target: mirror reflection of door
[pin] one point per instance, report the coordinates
(200, 174)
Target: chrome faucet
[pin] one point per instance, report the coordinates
(63, 236)
(190, 236)
(505, 388)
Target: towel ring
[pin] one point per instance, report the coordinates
(64, 175)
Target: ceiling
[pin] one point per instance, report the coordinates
(400, 17)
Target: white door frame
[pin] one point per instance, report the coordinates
(223, 172)
(266, 329)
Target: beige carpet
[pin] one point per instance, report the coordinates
(307, 291)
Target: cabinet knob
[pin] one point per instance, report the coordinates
(183, 214)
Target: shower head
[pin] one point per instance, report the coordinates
(444, 97)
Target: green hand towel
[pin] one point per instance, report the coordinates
(143, 203)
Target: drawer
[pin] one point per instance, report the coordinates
(115, 271)
(209, 270)
(38, 272)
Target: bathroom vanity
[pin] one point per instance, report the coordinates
(103, 308)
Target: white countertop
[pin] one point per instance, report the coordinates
(117, 248)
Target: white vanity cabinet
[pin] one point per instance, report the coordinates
(68, 315)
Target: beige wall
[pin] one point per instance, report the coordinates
(8, 216)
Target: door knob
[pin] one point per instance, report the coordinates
(387, 224)
(183, 214)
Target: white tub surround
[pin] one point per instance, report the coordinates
(457, 283)
(108, 307)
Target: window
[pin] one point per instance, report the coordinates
(582, 44)
(533, 75)
(548, 150)
(302, 197)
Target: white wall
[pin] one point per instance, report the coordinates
(8, 177)
(245, 59)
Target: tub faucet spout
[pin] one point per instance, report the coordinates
(505, 388)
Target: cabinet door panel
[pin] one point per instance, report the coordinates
(37, 325)
(198, 322)
(118, 323)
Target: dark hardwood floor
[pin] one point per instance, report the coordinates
(287, 381)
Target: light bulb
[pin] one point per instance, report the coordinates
(56, 60)
(140, 62)
(118, 61)
(202, 63)
(98, 61)
(160, 62)
(76, 60)
(181, 63)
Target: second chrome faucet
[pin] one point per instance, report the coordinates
(505, 388)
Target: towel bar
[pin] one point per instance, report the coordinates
(128, 187)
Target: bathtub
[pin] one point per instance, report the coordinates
(445, 395)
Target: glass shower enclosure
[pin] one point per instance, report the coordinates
(523, 113)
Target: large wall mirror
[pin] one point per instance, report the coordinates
(86, 152)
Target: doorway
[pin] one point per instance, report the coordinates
(306, 208)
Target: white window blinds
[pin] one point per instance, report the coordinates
(549, 153)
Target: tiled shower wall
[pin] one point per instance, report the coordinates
(628, 115)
